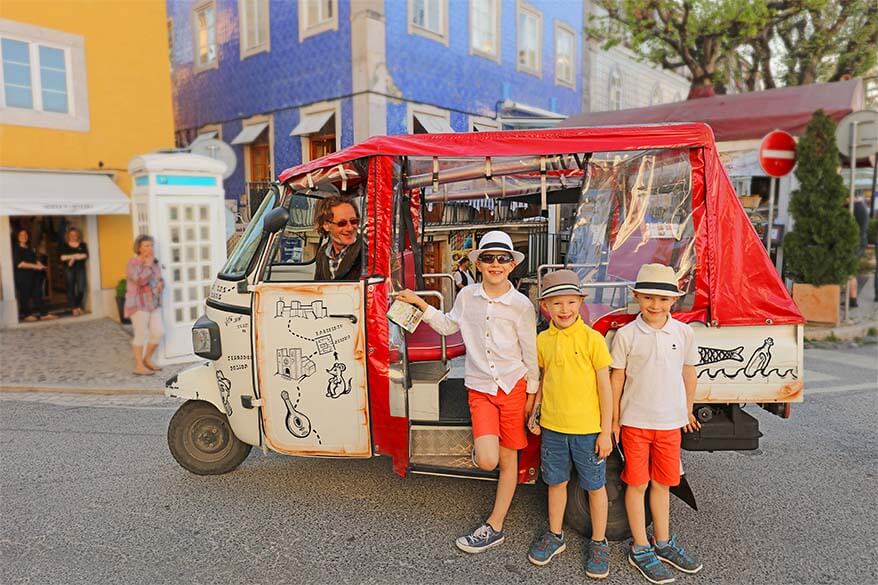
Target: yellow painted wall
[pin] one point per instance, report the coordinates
(129, 101)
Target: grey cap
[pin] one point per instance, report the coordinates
(560, 282)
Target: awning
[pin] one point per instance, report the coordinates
(434, 124)
(202, 137)
(59, 193)
(250, 133)
(312, 123)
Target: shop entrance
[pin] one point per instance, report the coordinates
(47, 234)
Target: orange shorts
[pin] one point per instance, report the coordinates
(651, 455)
(501, 415)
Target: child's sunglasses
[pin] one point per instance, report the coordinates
(344, 222)
(500, 258)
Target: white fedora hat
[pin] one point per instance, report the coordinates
(496, 241)
(657, 279)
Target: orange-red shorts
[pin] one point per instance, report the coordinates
(651, 455)
(501, 415)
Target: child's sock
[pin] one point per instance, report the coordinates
(599, 541)
(641, 548)
(661, 543)
(558, 534)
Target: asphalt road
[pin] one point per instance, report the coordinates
(89, 494)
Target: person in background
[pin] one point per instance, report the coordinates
(143, 302)
(340, 257)
(27, 275)
(462, 276)
(73, 254)
(861, 215)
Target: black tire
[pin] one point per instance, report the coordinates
(201, 440)
(577, 515)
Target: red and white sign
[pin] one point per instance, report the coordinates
(777, 153)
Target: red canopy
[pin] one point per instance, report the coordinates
(734, 273)
(745, 115)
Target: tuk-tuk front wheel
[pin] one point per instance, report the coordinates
(201, 440)
(577, 513)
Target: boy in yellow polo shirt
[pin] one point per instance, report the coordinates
(576, 417)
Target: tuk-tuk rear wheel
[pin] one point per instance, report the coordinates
(202, 442)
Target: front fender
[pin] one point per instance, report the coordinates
(196, 383)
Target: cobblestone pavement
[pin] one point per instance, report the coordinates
(75, 354)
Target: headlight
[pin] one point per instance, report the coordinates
(206, 339)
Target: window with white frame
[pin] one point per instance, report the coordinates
(317, 16)
(485, 28)
(530, 39)
(253, 15)
(42, 77)
(428, 18)
(204, 28)
(565, 55)
(614, 100)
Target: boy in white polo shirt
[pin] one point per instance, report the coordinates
(498, 326)
(653, 379)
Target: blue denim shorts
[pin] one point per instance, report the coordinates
(559, 452)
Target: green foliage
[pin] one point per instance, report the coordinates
(121, 288)
(824, 244)
(872, 230)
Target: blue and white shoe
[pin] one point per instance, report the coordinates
(545, 548)
(649, 565)
(598, 564)
(678, 557)
(482, 538)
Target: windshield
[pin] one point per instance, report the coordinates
(239, 261)
(634, 209)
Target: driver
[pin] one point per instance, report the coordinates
(339, 257)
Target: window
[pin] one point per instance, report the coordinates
(483, 124)
(485, 28)
(204, 16)
(424, 119)
(253, 15)
(428, 18)
(530, 39)
(615, 89)
(317, 16)
(565, 55)
(319, 129)
(42, 77)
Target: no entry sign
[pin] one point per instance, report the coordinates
(777, 153)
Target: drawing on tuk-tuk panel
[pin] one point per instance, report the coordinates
(599, 201)
(225, 387)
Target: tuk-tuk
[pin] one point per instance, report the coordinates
(315, 368)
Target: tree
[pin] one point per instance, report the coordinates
(704, 36)
(824, 244)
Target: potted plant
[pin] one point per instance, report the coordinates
(121, 289)
(821, 250)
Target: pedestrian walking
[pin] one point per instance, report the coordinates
(142, 304)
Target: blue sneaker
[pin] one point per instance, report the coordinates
(649, 565)
(545, 548)
(482, 538)
(675, 555)
(598, 564)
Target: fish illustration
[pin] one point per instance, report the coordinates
(712, 355)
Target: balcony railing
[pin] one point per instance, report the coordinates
(484, 211)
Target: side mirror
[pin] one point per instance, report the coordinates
(275, 220)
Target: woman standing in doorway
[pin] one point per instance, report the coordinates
(28, 271)
(74, 253)
(142, 302)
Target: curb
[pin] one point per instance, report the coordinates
(95, 391)
(842, 332)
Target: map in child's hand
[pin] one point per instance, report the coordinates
(405, 315)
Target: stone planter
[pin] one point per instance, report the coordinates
(819, 304)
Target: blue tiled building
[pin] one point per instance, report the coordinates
(286, 81)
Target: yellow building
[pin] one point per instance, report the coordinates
(84, 87)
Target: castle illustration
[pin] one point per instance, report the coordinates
(295, 309)
(292, 365)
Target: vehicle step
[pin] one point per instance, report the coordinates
(443, 441)
(443, 461)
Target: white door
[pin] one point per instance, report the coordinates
(311, 368)
(185, 245)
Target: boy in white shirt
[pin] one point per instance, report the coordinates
(498, 326)
(653, 379)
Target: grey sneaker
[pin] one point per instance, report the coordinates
(678, 557)
(649, 565)
(598, 564)
(545, 548)
(482, 538)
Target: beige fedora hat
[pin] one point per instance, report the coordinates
(657, 279)
(560, 282)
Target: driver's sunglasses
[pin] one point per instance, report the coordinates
(500, 258)
(344, 222)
